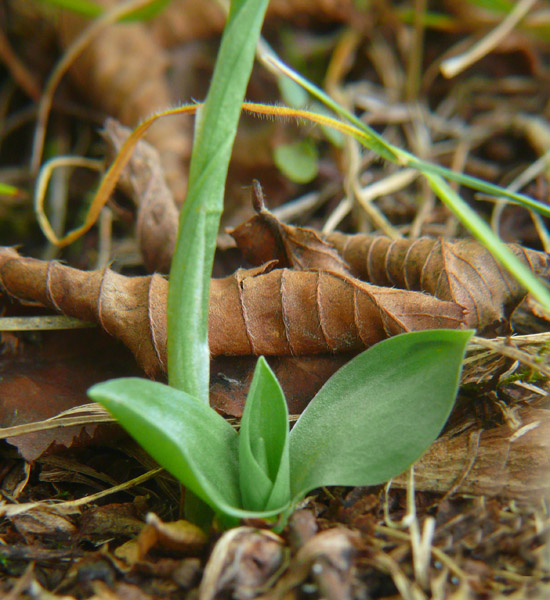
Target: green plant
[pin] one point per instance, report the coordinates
(368, 423)
(372, 420)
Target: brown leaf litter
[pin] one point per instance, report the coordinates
(257, 311)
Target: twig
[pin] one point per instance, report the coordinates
(455, 65)
(73, 51)
(18, 70)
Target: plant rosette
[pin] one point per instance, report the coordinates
(372, 420)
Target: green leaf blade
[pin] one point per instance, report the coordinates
(297, 160)
(188, 357)
(189, 439)
(263, 443)
(183, 435)
(379, 413)
(491, 241)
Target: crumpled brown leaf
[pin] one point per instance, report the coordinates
(462, 271)
(256, 311)
(242, 564)
(123, 71)
(144, 181)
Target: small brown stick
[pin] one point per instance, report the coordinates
(78, 46)
(18, 70)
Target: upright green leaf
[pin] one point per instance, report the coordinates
(263, 443)
(378, 413)
(188, 356)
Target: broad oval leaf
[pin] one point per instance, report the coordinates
(297, 160)
(379, 413)
(263, 443)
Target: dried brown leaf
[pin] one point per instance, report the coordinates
(44, 379)
(123, 72)
(143, 180)
(301, 377)
(462, 271)
(185, 20)
(257, 311)
(263, 238)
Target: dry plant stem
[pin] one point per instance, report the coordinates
(73, 506)
(506, 349)
(18, 71)
(42, 186)
(438, 553)
(80, 415)
(113, 174)
(541, 165)
(388, 185)
(63, 65)
(42, 323)
(455, 65)
(111, 178)
(252, 312)
(414, 66)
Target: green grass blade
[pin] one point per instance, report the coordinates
(376, 143)
(89, 8)
(188, 356)
(484, 233)
(478, 184)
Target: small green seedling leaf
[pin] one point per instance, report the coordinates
(298, 160)
(263, 443)
(379, 413)
(292, 93)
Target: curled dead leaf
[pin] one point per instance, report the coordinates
(461, 271)
(257, 311)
